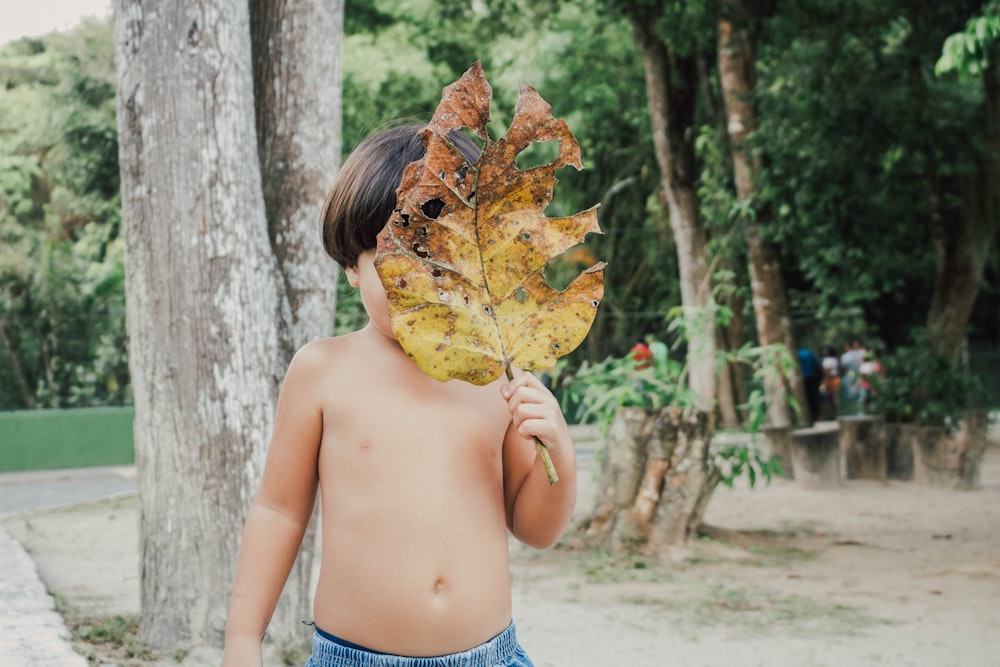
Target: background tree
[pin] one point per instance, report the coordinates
(62, 305)
(868, 154)
(962, 249)
(738, 80)
(656, 472)
(210, 299)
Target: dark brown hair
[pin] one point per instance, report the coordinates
(363, 194)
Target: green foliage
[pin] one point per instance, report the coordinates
(351, 314)
(862, 143)
(62, 306)
(922, 387)
(860, 139)
(600, 389)
(731, 462)
(968, 52)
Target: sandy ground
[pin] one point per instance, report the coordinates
(864, 574)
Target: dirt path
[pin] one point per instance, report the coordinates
(865, 574)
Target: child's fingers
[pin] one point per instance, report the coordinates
(520, 396)
(523, 379)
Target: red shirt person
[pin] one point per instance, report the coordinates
(642, 355)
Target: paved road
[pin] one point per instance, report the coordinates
(51, 489)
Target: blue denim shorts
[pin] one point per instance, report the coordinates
(501, 651)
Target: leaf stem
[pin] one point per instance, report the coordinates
(543, 451)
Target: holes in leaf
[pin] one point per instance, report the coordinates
(402, 283)
(432, 208)
(419, 250)
(521, 295)
(424, 231)
(405, 217)
(466, 299)
(467, 141)
(436, 273)
(526, 236)
(461, 173)
(538, 153)
(489, 311)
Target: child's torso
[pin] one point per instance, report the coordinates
(413, 527)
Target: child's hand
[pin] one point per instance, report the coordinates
(535, 411)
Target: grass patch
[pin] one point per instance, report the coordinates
(755, 610)
(116, 635)
(602, 567)
(759, 548)
(106, 640)
(767, 556)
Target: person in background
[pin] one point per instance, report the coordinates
(830, 385)
(642, 355)
(850, 360)
(812, 375)
(870, 368)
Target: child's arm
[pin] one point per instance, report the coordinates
(537, 512)
(280, 513)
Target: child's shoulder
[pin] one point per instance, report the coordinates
(325, 354)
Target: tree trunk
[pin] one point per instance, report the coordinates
(726, 388)
(770, 300)
(297, 94)
(208, 314)
(656, 477)
(732, 390)
(963, 246)
(655, 480)
(297, 84)
(671, 88)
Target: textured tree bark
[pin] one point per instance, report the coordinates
(297, 87)
(209, 319)
(655, 480)
(297, 94)
(770, 301)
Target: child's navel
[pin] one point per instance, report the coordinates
(438, 586)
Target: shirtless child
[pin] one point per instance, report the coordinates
(420, 480)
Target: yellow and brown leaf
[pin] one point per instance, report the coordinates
(463, 256)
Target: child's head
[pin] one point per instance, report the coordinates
(363, 195)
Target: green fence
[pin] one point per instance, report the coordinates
(50, 439)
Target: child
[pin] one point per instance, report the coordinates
(420, 480)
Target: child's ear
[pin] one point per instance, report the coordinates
(352, 275)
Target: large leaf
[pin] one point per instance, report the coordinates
(463, 256)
